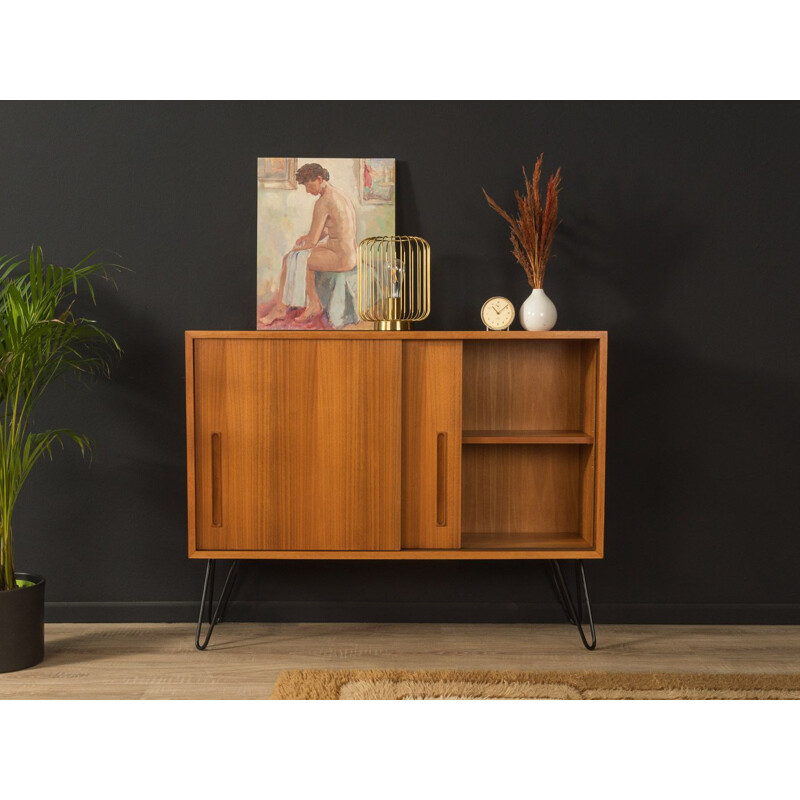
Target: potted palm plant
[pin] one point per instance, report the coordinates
(41, 341)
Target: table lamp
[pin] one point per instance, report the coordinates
(394, 281)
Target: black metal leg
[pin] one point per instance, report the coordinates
(574, 617)
(214, 616)
(560, 590)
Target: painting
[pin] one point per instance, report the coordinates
(377, 181)
(312, 213)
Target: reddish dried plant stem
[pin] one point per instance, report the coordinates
(534, 227)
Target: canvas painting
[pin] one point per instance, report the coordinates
(312, 213)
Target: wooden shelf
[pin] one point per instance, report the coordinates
(526, 437)
(523, 541)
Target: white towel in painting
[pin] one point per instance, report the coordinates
(294, 288)
(338, 293)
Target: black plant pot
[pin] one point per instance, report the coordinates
(22, 624)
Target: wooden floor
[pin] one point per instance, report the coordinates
(159, 661)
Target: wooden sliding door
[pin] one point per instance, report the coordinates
(297, 444)
(432, 445)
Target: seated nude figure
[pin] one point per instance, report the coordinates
(331, 239)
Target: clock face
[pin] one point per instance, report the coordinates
(497, 313)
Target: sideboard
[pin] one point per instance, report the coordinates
(396, 445)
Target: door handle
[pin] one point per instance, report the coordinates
(441, 480)
(216, 480)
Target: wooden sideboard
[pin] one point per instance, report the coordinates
(396, 445)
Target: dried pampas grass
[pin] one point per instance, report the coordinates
(533, 229)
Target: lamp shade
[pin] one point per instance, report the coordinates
(394, 281)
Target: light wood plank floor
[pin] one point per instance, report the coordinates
(159, 661)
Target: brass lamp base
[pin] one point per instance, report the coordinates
(393, 325)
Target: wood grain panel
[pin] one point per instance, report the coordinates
(561, 551)
(588, 479)
(521, 489)
(600, 444)
(228, 404)
(311, 443)
(526, 437)
(514, 541)
(191, 466)
(588, 471)
(588, 373)
(522, 385)
(431, 444)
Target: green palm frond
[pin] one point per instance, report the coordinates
(41, 341)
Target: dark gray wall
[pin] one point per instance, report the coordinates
(679, 237)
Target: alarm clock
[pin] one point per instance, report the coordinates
(497, 314)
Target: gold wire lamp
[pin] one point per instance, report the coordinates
(394, 281)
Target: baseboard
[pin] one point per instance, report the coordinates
(261, 611)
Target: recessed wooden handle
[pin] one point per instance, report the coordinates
(441, 479)
(216, 480)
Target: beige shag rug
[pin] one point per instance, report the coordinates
(322, 684)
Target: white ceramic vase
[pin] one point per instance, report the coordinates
(538, 312)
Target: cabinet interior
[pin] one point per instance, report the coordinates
(528, 455)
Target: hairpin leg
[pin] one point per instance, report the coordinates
(214, 616)
(582, 593)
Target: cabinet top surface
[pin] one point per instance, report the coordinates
(388, 335)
